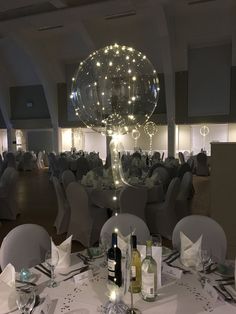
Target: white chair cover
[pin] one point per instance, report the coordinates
(126, 223)
(27, 161)
(161, 217)
(82, 167)
(183, 202)
(202, 168)
(10, 159)
(24, 246)
(86, 220)
(213, 239)
(8, 203)
(67, 177)
(163, 175)
(133, 201)
(63, 210)
(181, 158)
(40, 162)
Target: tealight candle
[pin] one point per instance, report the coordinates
(24, 274)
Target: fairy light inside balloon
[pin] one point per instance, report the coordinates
(135, 135)
(150, 129)
(204, 131)
(108, 80)
(113, 91)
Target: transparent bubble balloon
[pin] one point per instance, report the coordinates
(115, 89)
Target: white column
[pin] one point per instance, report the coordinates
(11, 140)
(56, 140)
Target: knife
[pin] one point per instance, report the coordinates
(45, 268)
(83, 269)
(170, 256)
(173, 258)
(42, 271)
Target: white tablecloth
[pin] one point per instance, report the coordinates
(185, 296)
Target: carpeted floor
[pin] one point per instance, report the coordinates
(37, 203)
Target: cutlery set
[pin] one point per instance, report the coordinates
(171, 258)
(74, 272)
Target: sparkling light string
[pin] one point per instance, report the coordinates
(135, 135)
(150, 128)
(204, 131)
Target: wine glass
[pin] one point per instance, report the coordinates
(156, 239)
(205, 259)
(104, 243)
(51, 259)
(25, 299)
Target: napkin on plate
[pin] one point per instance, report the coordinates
(7, 289)
(64, 253)
(190, 254)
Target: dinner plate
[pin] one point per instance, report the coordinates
(166, 251)
(95, 252)
(225, 270)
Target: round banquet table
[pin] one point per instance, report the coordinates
(104, 197)
(183, 296)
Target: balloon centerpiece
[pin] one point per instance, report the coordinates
(114, 91)
(204, 131)
(150, 128)
(135, 135)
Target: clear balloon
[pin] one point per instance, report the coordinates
(115, 89)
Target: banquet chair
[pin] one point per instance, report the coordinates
(82, 167)
(182, 169)
(67, 177)
(161, 217)
(8, 203)
(24, 246)
(181, 158)
(183, 201)
(27, 161)
(63, 209)
(202, 168)
(63, 165)
(40, 162)
(86, 220)
(125, 223)
(133, 201)
(163, 176)
(213, 239)
(10, 159)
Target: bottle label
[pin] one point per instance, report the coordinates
(111, 264)
(133, 273)
(148, 287)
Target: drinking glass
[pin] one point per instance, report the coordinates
(156, 239)
(51, 259)
(104, 243)
(25, 299)
(205, 259)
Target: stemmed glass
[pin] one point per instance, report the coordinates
(51, 259)
(25, 299)
(104, 244)
(205, 259)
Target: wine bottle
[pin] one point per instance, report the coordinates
(135, 274)
(114, 262)
(149, 275)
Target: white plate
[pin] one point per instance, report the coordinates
(166, 251)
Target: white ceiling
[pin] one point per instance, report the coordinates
(84, 28)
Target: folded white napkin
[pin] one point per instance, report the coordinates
(7, 289)
(64, 253)
(190, 252)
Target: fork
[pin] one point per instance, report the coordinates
(222, 287)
